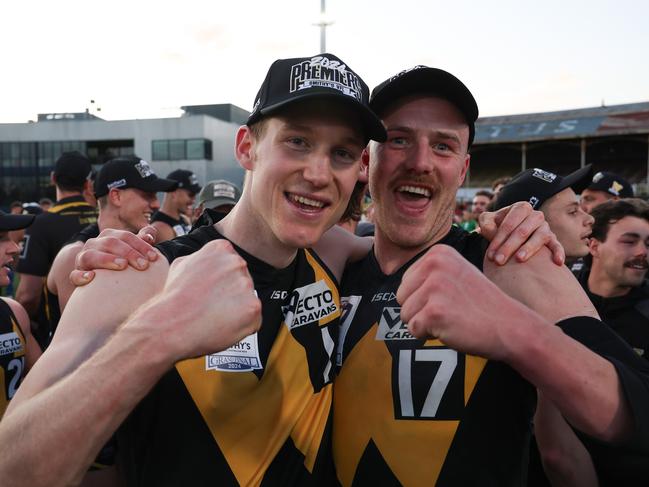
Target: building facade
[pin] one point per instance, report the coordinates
(202, 140)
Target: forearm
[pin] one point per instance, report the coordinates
(565, 459)
(584, 386)
(59, 431)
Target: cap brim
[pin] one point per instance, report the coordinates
(10, 222)
(578, 180)
(372, 125)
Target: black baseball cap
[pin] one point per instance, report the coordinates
(185, 179)
(323, 76)
(536, 186)
(433, 81)
(611, 183)
(72, 169)
(9, 222)
(130, 172)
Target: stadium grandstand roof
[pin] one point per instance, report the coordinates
(632, 118)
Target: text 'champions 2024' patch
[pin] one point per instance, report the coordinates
(309, 304)
(243, 356)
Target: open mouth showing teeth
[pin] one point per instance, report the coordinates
(642, 266)
(304, 202)
(414, 191)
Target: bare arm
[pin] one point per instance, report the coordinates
(62, 427)
(583, 385)
(58, 279)
(565, 459)
(338, 247)
(29, 291)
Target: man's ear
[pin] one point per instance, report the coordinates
(115, 197)
(467, 161)
(52, 178)
(593, 247)
(364, 168)
(244, 147)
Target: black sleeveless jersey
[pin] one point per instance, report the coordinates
(412, 411)
(179, 226)
(257, 413)
(12, 355)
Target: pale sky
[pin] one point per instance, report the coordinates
(144, 59)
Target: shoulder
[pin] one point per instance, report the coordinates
(19, 312)
(63, 264)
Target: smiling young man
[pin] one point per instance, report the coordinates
(173, 218)
(126, 190)
(435, 386)
(255, 410)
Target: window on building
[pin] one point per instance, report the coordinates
(177, 150)
(160, 150)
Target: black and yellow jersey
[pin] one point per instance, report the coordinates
(414, 412)
(257, 413)
(179, 226)
(12, 355)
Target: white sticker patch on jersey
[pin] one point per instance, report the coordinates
(10, 343)
(391, 327)
(309, 304)
(240, 357)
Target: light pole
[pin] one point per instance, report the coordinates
(323, 23)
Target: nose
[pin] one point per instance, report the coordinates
(419, 158)
(588, 220)
(154, 204)
(318, 170)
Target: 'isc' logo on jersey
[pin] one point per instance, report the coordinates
(391, 327)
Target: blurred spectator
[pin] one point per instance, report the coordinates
(50, 230)
(45, 203)
(604, 186)
(218, 195)
(480, 201)
(499, 184)
(468, 220)
(353, 212)
(16, 208)
(174, 217)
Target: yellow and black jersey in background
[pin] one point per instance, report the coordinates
(415, 412)
(12, 355)
(257, 413)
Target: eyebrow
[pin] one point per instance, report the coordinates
(356, 139)
(442, 134)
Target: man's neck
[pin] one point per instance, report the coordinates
(108, 219)
(600, 284)
(168, 209)
(391, 256)
(250, 232)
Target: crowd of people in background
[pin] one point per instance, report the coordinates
(374, 421)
